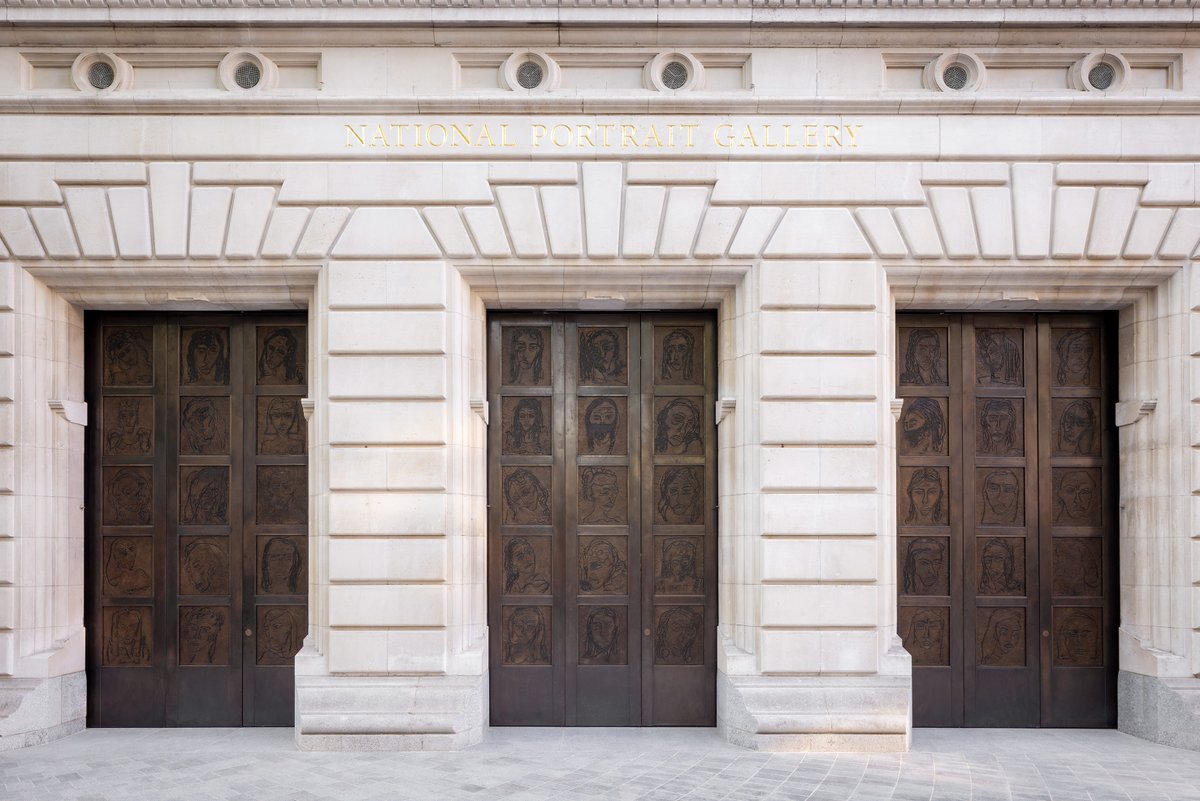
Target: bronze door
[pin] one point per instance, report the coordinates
(1006, 519)
(197, 502)
(601, 531)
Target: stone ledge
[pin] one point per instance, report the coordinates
(1162, 710)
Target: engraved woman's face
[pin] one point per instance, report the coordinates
(928, 631)
(523, 627)
(681, 632)
(1007, 633)
(603, 629)
(1002, 493)
(527, 418)
(681, 496)
(124, 553)
(522, 492)
(928, 567)
(200, 634)
(603, 414)
(681, 560)
(1077, 494)
(926, 495)
(528, 347)
(522, 558)
(1079, 356)
(277, 629)
(676, 353)
(995, 562)
(279, 559)
(206, 354)
(281, 416)
(202, 422)
(925, 352)
(598, 565)
(605, 492)
(913, 420)
(275, 351)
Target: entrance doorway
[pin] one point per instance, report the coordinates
(1006, 512)
(197, 509)
(602, 525)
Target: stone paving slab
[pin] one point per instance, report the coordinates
(591, 764)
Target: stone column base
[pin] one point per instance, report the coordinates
(36, 711)
(1163, 710)
(390, 713)
(815, 713)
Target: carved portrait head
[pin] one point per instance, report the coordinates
(526, 348)
(678, 570)
(998, 426)
(601, 495)
(126, 566)
(281, 564)
(1002, 498)
(601, 356)
(527, 431)
(204, 496)
(926, 498)
(200, 634)
(922, 427)
(127, 356)
(601, 567)
(128, 431)
(128, 496)
(1078, 570)
(924, 360)
(1077, 637)
(522, 573)
(279, 358)
(1076, 501)
(1078, 433)
(602, 636)
(1073, 356)
(924, 567)
(681, 496)
(205, 568)
(280, 426)
(677, 428)
(207, 357)
(282, 494)
(204, 426)
(279, 635)
(128, 637)
(999, 570)
(677, 357)
(601, 421)
(998, 358)
(525, 636)
(678, 637)
(924, 635)
(1001, 637)
(526, 498)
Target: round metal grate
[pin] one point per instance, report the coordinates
(674, 75)
(247, 75)
(530, 75)
(1102, 76)
(101, 75)
(955, 77)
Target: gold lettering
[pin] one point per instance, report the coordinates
(652, 136)
(504, 136)
(379, 136)
(722, 135)
(466, 140)
(539, 133)
(429, 140)
(852, 134)
(350, 132)
(399, 129)
(627, 133)
(566, 129)
(810, 135)
(690, 127)
(831, 135)
(485, 135)
(767, 137)
(749, 134)
(585, 136)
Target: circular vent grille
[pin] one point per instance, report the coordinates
(530, 75)
(101, 75)
(674, 75)
(955, 77)
(1101, 76)
(247, 75)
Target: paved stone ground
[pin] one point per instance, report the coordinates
(587, 765)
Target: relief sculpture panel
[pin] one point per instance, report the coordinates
(204, 635)
(1078, 566)
(603, 426)
(127, 636)
(924, 501)
(280, 355)
(204, 356)
(603, 356)
(1000, 427)
(999, 359)
(679, 495)
(526, 425)
(1000, 636)
(204, 426)
(1001, 567)
(280, 426)
(1076, 426)
(678, 635)
(129, 426)
(677, 427)
(280, 633)
(1078, 637)
(523, 356)
(1076, 496)
(923, 429)
(603, 565)
(282, 565)
(282, 495)
(925, 565)
(128, 356)
(525, 633)
(678, 355)
(925, 631)
(128, 496)
(1076, 357)
(203, 566)
(680, 562)
(526, 565)
(128, 566)
(1000, 496)
(603, 495)
(526, 495)
(924, 360)
(204, 495)
(603, 635)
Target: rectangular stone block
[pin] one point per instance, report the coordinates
(814, 559)
(391, 332)
(790, 651)
(369, 559)
(386, 605)
(384, 284)
(818, 332)
(819, 605)
(818, 377)
(848, 514)
(849, 652)
(384, 513)
(387, 377)
(818, 422)
(417, 652)
(387, 423)
(357, 651)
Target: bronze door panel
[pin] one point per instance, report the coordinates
(601, 526)
(1004, 491)
(193, 516)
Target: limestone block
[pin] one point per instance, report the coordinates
(387, 284)
(1182, 236)
(849, 652)
(387, 423)
(88, 208)
(602, 184)
(819, 605)
(169, 197)
(816, 232)
(390, 513)
(360, 468)
(920, 232)
(248, 220)
(372, 377)
(54, 227)
(8, 470)
(1033, 196)
(447, 226)
(841, 183)
(1073, 207)
(1146, 233)
(283, 232)
(385, 560)
(790, 651)
(951, 206)
(488, 231)
(29, 183)
(994, 220)
(386, 233)
(564, 221)
(1170, 185)
(358, 650)
(364, 605)
(1115, 207)
(323, 228)
(8, 379)
(818, 422)
(681, 221)
(841, 514)
(849, 560)
(716, 231)
(387, 332)
(757, 224)
(789, 284)
(7, 607)
(523, 220)
(791, 559)
(818, 377)
(880, 228)
(791, 468)
(849, 284)
(418, 468)
(643, 220)
(18, 234)
(416, 183)
(210, 214)
(818, 332)
(421, 652)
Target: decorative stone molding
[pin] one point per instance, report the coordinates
(84, 71)
(1110, 70)
(956, 71)
(307, 406)
(480, 407)
(1130, 411)
(248, 66)
(74, 412)
(655, 75)
(517, 69)
(896, 406)
(724, 408)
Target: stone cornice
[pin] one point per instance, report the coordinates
(924, 6)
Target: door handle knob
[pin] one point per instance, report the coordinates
(647, 632)
(249, 632)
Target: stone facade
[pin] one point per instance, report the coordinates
(814, 176)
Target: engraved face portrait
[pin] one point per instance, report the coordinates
(1077, 497)
(526, 426)
(924, 569)
(524, 349)
(128, 426)
(1000, 634)
(1002, 566)
(525, 561)
(602, 565)
(924, 362)
(602, 356)
(128, 356)
(203, 566)
(281, 565)
(526, 493)
(205, 356)
(280, 356)
(203, 635)
(128, 496)
(1078, 569)
(1077, 427)
(923, 427)
(603, 426)
(280, 634)
(998, 357)
(1077, 636)
(677, 427)
(281, 426)
(924, 632)
(282, 496)
(1001, 500)
(680, 564)
(1076, 360)
(602, 635)
(924, 502)
(127, 636)
(204, 495)
(679, 635)
(602, 495)
(1001, 430)
(680, 495)
(678, 351)
(526, 635)
(128, 562)
(204, 426)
